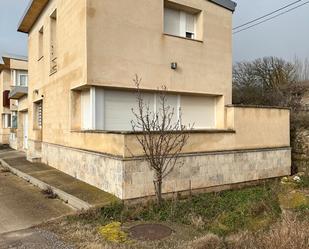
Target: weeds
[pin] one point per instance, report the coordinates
(222, 213)
(4, 169)
(49, 193)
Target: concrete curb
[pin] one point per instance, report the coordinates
(71, 200)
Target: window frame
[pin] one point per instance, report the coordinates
(6, 121)
(41, 43)
(184, 11)
(53, 43)
(19, 81)
(93, 107)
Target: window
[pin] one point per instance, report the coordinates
(41, 43)
(111, 110)
(38, 114)
(20, 78)
(53, 42)
(6, 121)
(86, 108)
(14, 120)
(180, 23)
(23, 80)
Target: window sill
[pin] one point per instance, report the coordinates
(209, 131)
(184, 38)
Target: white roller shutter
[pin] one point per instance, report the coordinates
(118, 109)
(199, 111)
(86, 110)
(171, 21)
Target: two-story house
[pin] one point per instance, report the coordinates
(83, 55)
(14, 103)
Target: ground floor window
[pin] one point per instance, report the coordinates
(14, 120)
(6, 120)
(38, 116)
(111, 110)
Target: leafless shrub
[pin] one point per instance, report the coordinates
(49, 193)
(160, 134)
(4, 169)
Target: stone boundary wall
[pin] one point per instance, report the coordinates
(132, 178)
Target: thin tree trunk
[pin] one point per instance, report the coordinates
(158, 188)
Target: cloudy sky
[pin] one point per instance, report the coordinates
(286, 36)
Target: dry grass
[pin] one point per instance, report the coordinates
(290, 233)
(252, 218)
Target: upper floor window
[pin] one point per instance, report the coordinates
(41, 44)
(20, 78)
(53, 42)
(180, 23)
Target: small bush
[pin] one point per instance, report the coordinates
(112, 232)
(49, 193)
(4, 169)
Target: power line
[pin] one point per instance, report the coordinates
(269, 14)
(273, 17)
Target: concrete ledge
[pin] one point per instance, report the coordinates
(259, 107)
(67, 198)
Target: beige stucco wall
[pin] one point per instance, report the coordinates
(54, 89)
(250, 128)
(18, 64)
(126, 37)
(90, 52)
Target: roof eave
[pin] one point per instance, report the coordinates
(33, 11)
(228, 4)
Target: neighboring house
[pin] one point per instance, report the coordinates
(14, 104)
(83, 55)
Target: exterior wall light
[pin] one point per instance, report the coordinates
(174, 65)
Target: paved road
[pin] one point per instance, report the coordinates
(31, 239)
(23, 206)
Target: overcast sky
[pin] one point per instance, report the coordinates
(286, 36)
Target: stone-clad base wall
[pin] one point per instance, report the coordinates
(129, 179)
(209, 170)
(98, 170)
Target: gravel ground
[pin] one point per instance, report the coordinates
(32, 239)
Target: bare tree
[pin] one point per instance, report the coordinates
(269, 81)
(160, 134)
(302, 69)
